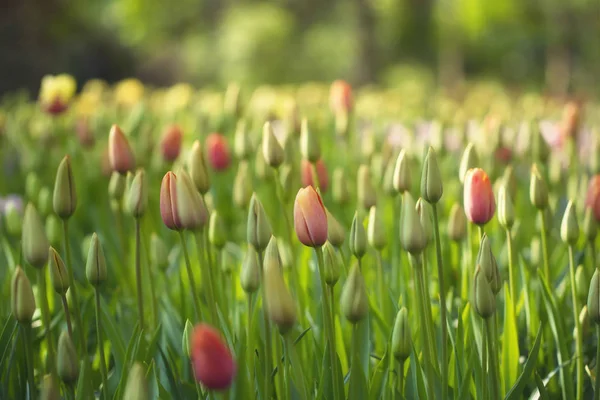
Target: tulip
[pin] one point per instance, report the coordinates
(197, 168)
(307, 174)
(212, 361)
(33, 238)
(340, 97)
(358, 237)
(137, 200)
(170, 144)
(367, 196)
(50, 388)
(479, 201)
(457, 223)
(592, 199)
(217, 233)
(341, 194)
(85, 135)
(56, 92)
(137, 383)
(242, 186)
(58, 272)
(68, 362)
(279, 304)
(271, 148)
(402, 180)
(469, 160)
(431, 179)
(22, 301)
(189, 206)
(401, 337)
(258, 228)
(332, 262)
(242, 145)
(335, 231)
(250, 274)
(593, 301)
(309, 144)
(484, 301)
(64, 199)
(354, 301)
(310, 218)
(412, 234)
(538, 191)
(120, 155)
(168, 202)
(217, 151)
(95, 267)
(569, 228)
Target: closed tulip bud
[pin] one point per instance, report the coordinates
(306, 169)
(431, 178)
(190, 207)
(340, 97)
(468, 161)
(250, 274)
(538, 191)
(50, 389)
(261, 168)
(540, 150)
(279, 305)
(54, 230)
(335, 231)
(333, 261)
(569, 228)
(22, 301)
(426, 217)
(58, 272)
(32, 186)
(45, 205)
(484, 301)
(309, 144)
(412, 234)
(367, 196)
(120, 155)
(479, 201)
(212, 362)
(186, 340)
(159, 254)
(170, 143)
(242, 186)
(457, 224)
(258, 232)
(242, 145)
(13, 219)
(590, 225)
(593, 300)
(341, 194)
(310, 218)
(401, 337)
(136, 387)
(286, 180)
(506, 210)
(358, 237)
(168, 202)
(388, 178)
(584, 322)
(272, 150)
(217, 233)
(137, 200)
(68, 362)
(33, 238)
(197, 168)
(581, 283)
(217, 151)
(95, 267)
(592, 199)
(376, 230)
(487, 262)
(354, 301)
(510, 181)
(116, 186)
(402, 179)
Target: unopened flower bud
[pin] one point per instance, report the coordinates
(50, 388)
(401, 337)
(376, 230)
(424, 210)
(402, 179)
(367, 196)
(95, 267)
(333, 262)
(217, 151)
(137, 383)
(170, 143)
(309, 144)
(271, 148)
(13, 219)
(217, 234)
(242, 145)
(258, 232)
(67, 360)
(120, 154)
(457, 223)
(335, 232)
(279, 305)
(569, 228)
(116, 186)
(197, 168)
(261, 168)
(310, 218)
(54, 230)
(593, 300)
(186, 339)
(479, 201)
(341, 194)
(137, 200)
(509, 180)
(33, 239)
(358, 237)
(506, 210)
(412, 234)
(21, 297)
(590, 226)
(58, 272)
(539, 148)
(212, 361)
(242, 186)
(431, 178)
(250, 274)
(354, 301)
(190, 207)
(538, 191)
(484, 301)
(307, 174)
(468, 161)
(65, 197)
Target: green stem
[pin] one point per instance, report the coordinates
(249, 337)
(138, 273)
(100, 345)
(401, 378)
(578, 347)
(296, 367)
(593, 254)
(268, 339)
(315, 175)
(427, 351)
(28, 348)
(484, 362)
(206, 270)
(396, 279)
(494, 376)
(281, 385)
(65, 306)
(188, 267)
(597, 383)
(544, 237)
(73, 287)
(442, 299)
(284, 365)
(511, 272)
(46, 318)
(470, 263)
(423, 282)
(150, 272)
(381, 283)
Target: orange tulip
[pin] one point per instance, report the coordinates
(479, 201)
(217, 152)
(307, 174)
(310, 218)
(212, 361)
(340, 97)
(170, 144)
(592, 199)
(119, 152)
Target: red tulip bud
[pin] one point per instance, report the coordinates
(340, 97)
(592, 199)
(479, 201)
(217, 152)
(310, 218)
(120, 154)
(322, 175)
(170, 144)
(168, 202)
(212, 361)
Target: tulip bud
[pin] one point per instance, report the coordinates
(388, 178)
(197, 168)
(186, 340)
(358, 237)
(510, 181)
(333, 262)
(168, 202)
(486, 259)
(13, 219)
(340, 191)
(401, 337)
(232, 105)
(250, 274)
(95, 267)
(426, 217)
(468, 161)
(335, 232)
(310, 218)
(33, 239)
(287, 181)
(217, 234)
(590, 226)
(569, 228)
(242, 145)
(484, 301)
(116, 186)
(170, 143)
(539, 148)
(137, 200)
(584, 322)
(159, 254)
(242, 186)
(272, 150)
(479, 202)
(457, 224)
(120, 155)
(367, 196)
(581, 283)
(50, 389)
(68, 362)
(412, 234)
(261, 168)
(309, 144)
(190, 207)
(592, 199)
(402, 180)
(431, 178)
(217, 152)
(45, 205)
(538, 191)
(54, 230)
(593, 300)
(58, 272)
(354, 301)
(376, 230)
(506, 211)
(212, 361)
(137, 383)
(340, 97)
(306, 169)
(279, 304)
(32, 186)
(258, 232)
(21, 300)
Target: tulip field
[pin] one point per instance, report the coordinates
(305, 242)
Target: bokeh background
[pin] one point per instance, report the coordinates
(548, 45)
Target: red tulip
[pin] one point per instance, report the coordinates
(592, 200)
(217, 152)
(571, 116)
(119, 152)
(168, 202)
(340, 97)
(503, 154)
(170, 144)
(307, 174)
(310, 218)
(212, 361)
(56, 107)
(479, 201)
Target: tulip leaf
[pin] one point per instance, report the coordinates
(510, 343)
(464, 388)
(8, 332)
(379, 379)
(517, 390)
(541, 387)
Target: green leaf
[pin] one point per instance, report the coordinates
(150, 350)
(379, 378)
(358, 388)
(541, 387)
(132, 347)
(510, 343)
(8, 331)
(326, 386)
(463, 389)
(517, 390)
(84, 388)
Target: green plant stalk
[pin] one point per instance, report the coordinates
(578, 342)
(100, 344)
(597, 382)
(315, 176)
(284, 365)
(328, 322)
(442, 299)
(150, 272)
(281, 385)
(46, 318)
(28, 349)
(470, 263)
(593, 254)
(381, 284)
(397, 283)
(401, 378)
(188, 267)
(494, 374)
(72, 287)
(544, 237)
(268, 338)
(511, 272)
(465, 270)
(426, 299)
(65, 306)
(484, 361)
(296, 367)
(250, 337)
(138, 273)
(424, 330)
(205, 262)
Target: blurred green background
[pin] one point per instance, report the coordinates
(549, 45)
